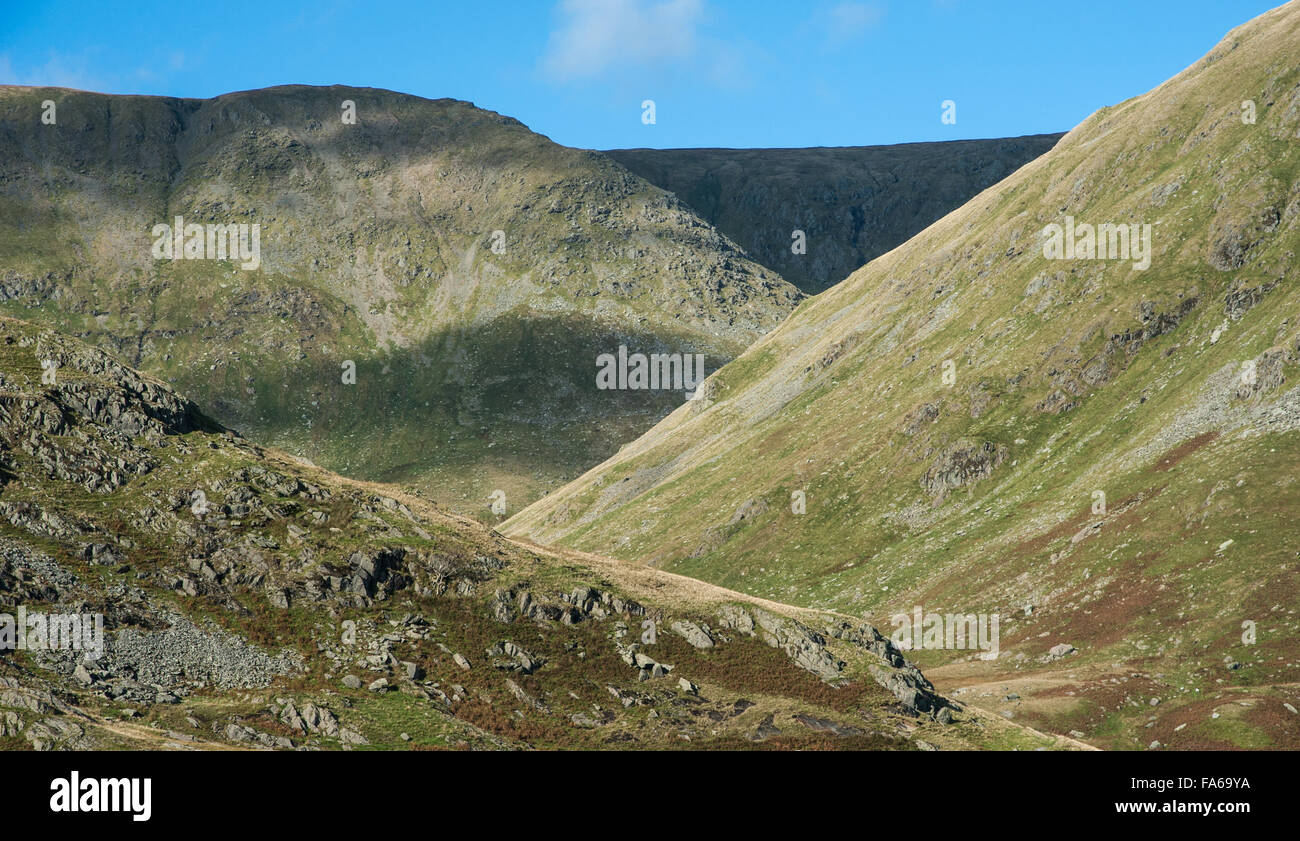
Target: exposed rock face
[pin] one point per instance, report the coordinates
(808, 650)
(853, 203)
(802, 644)
(40, 425)
(692, 633)
(962, 464)
(40, 719)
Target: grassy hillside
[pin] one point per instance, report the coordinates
(1169, 390)
(852, 203)
(251, 601)
(470, 269)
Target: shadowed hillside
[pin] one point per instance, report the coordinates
(852, 203)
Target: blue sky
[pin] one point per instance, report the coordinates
(742, 73)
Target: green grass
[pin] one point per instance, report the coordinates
(874, 542)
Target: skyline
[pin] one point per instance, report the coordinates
(578, 71)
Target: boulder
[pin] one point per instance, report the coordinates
(693, 634)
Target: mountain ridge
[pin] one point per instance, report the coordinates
(851, 203)
(464, 264)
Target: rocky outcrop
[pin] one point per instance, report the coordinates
(40, 718)
(510, 657)
(696, 635)
(802, 644)
(961, 464)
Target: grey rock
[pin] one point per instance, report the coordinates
(766, 729)
(521, 695)
(912, 689)
(290, 717)
(693, 634)
(351, 737)
(804, 646)
(736, 618)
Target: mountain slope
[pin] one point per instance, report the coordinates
(249, 600)
(1109, 463)
(469, 269)
(852, 203)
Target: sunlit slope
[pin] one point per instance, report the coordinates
(1170, 390)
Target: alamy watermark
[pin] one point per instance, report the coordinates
(675, 371)
(53, 632)
(950, 631)
(132, 795)
(1106, 241)
(179, 241)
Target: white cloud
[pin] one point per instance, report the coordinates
(59, 71)
(847, 20)
(601, 35)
